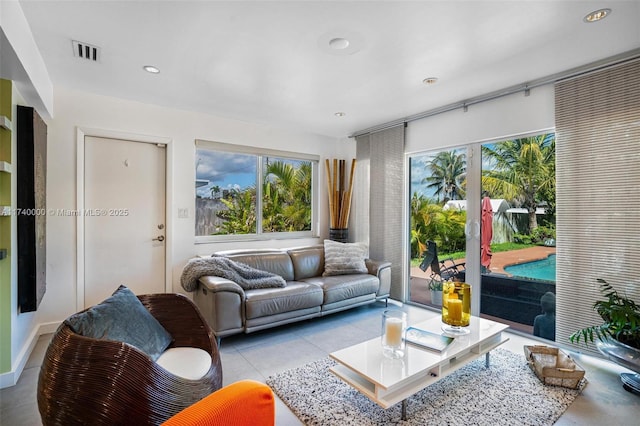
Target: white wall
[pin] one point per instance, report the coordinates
(85, 110)
(497, 119)
(22, 61)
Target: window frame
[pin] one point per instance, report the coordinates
(260, 153)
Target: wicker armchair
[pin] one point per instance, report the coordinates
(99, 382)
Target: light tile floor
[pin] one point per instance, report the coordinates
(259, 355)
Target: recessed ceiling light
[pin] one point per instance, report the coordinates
(339, 43)
(151, 69)
(597, 15)
(340, 114)
(430, 80)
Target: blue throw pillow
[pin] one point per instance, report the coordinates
(123, 318)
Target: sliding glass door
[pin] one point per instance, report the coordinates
(518, 238)
(485, 214)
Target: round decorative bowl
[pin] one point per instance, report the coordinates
(625, 356)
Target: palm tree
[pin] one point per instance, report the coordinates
(287, 197)
(523, 169)
(419, 218)
(448, 172)
(286, 201)
(215, 192)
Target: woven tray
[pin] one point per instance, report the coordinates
(554, 367)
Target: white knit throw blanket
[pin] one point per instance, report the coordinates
(244, 275)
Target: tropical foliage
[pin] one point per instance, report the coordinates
(215, 192)
(286, 201)
(522, 172)
(286, 197)
(430, 222)
(448, 172)
(538, 236)
(621, 318)
(240, 215)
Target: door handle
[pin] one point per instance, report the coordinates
(472, 229)
(160, 238)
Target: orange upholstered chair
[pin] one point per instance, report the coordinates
(242, 403)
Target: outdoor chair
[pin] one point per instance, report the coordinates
(453, 271)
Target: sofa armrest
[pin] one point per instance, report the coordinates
(217, 284)
(375, 266)
(221, 302)
(382, 270)
(246, 402)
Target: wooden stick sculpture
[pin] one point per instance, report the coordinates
(339, 199)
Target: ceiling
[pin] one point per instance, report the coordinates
(270, 62)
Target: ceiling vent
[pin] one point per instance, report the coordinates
(85, 51)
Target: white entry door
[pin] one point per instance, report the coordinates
(124, 217)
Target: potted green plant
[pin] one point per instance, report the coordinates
(618, 337)
(435, 288)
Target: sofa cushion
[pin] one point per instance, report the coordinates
(344, 258)
(296, 295)
(122, 318)
(307, 261)
(337, 288)
(188, 363)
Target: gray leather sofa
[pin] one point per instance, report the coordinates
(230, 310)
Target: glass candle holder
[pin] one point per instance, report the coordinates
(394, 325)
(456, 307)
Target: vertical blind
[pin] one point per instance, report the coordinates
(598, 192)
(385, 152)
(360, 202)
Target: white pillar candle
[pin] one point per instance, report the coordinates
(393, 331)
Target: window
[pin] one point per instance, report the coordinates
(437, 218)
(247, 193)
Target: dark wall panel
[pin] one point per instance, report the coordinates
(31, 162)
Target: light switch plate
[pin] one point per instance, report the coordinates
(183, 213)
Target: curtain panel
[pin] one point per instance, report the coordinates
(380, 205)
(598, 192)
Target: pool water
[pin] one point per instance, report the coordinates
(538, 270)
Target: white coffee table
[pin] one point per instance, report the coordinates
(389, 381)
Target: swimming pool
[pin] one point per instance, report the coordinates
(538, 270)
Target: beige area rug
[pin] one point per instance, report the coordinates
(507, 393)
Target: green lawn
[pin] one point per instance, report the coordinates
(495, 248)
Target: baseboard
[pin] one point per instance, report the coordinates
(7, 379)
(10, 378)
(48, 328)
